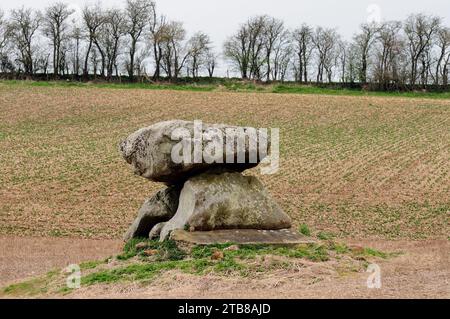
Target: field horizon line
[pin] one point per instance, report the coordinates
(232, 87)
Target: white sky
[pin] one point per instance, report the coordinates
(220, 18)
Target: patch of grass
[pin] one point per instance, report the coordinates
(90, 264)
(312, 252)
(167, 250)
(339, 248)
(65, 290)
(375, 253)
(27, 288)
(32, 287)
(130, 250)
(304, 230)
(144, 271)
(199, 261)
(228, 264)
(325, 235)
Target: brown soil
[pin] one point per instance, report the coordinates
(26, 257)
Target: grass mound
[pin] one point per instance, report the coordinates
(144, 260)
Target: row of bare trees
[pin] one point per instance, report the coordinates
(101, 42)
(108, 42)
(416, 51)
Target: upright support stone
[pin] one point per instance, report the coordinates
(213, 201)
(159, 208)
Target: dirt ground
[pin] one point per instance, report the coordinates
(422, 270)
(22, 257)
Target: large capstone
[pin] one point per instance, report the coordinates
(157, 209)
(172, 151)
(227, 200)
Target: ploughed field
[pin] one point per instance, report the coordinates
(351, 166)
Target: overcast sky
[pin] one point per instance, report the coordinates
(221, 18)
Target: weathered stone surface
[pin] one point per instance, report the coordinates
(225, 201)
(241, 236)
(159, 208)
(149, 151)
(156, 231)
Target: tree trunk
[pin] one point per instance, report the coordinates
(131, 66)
(86, 60)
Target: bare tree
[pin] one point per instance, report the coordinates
(364, 41)
(351, 72)
(282, 54)
(211, 62)
(257, 44)
(56, 29)
(246, 49)
(111, 35)
(63, 58)
(325, 41)
(236, 50)
(139, 65)
(443, 44)
(388, 46)
(174, 53)
(156, 27)
(3, 32)
(445, 70)
(303, 46)
(419, 30)
(199, 46)
(41, 60)
(342, 57)
(95, 60)
(23, 26)
(6, 64)
(93, 18)
(138, 14)
(76, 37)
(275, 35)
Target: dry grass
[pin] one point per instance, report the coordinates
(354, 166)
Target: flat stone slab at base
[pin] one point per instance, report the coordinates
(241, 236)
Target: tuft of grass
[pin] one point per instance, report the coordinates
(339, 248)
(167, 250)
(90, 264)
(304, 230)
(31, 287)
(375, 253)
(313, 252)
(325, 235)
(27, 288)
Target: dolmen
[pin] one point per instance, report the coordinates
(206, 192)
